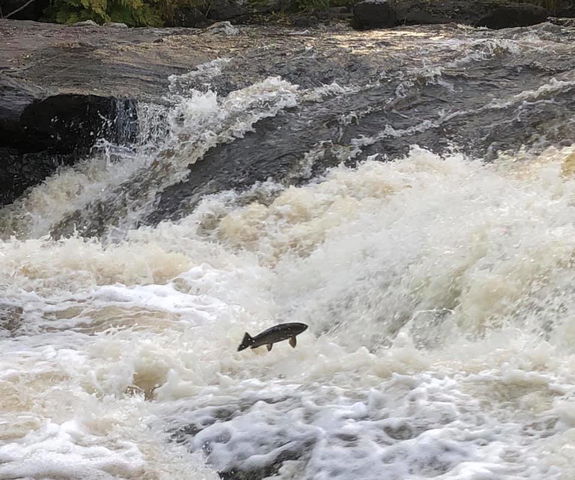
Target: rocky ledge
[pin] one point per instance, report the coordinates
(61, 88)
(64, 87)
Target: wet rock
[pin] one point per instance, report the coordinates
(223, 27)
(31, 120)
(67, 123)
(10, 319)
(20, 171)
(39, 132)
(374, 14)
(115, 25)
(562, 21)
(517, 15)
(420, 13)
(86, 23)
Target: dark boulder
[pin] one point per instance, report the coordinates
(20, 171)
(304, 21)
(227, 9)
(40, 132)
(187, 16)
(418, 12)
(374, 14)
(32, 120)
(513, 15)
(66, 123)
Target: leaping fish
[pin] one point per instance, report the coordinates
(272, 335)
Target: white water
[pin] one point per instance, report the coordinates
(122, 343)
(438, 293)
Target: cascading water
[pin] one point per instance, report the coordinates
(437, 285)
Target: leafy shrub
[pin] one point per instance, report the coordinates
(130, 12)
(134, 13)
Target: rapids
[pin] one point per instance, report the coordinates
(416, 208)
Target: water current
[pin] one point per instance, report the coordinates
(416, 208)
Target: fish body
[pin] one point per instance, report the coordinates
(272, 335)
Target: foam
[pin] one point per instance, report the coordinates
(421, 327)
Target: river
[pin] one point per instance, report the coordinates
(413, 203)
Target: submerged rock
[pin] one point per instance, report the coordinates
(10, 319)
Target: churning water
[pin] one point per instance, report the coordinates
(418, 214)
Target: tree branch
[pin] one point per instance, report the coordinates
(18, 9)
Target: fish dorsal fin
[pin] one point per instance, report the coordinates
(269, 345)
(293, 342)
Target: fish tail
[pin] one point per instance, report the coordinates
(246, 342)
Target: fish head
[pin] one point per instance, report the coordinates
(246, 342)
(298, 328)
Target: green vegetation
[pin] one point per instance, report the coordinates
(161, 12)
(130, 12)
(134, 13)
(137, 13)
